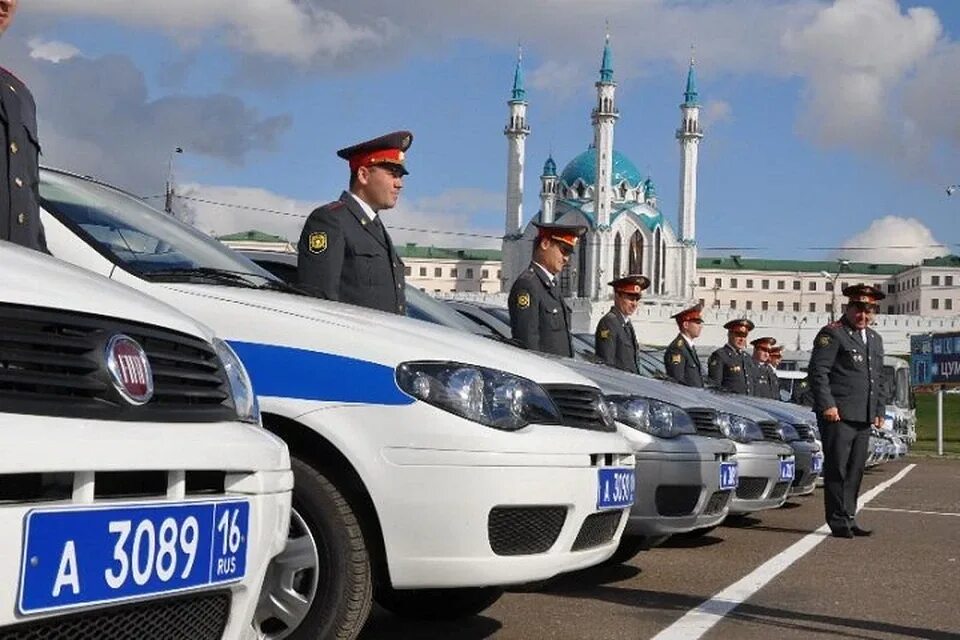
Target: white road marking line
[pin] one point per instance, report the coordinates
(698, 621)
(923, 513)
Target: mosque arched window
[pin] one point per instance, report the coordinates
(617, 241)
(623, 190)
(636, 252)
(582, 191)
(657, 259)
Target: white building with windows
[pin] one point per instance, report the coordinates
(603, 190)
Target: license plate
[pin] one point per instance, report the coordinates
(728, 475)
(816, 464)
(787, 469)
(616, 488)
(89, 556)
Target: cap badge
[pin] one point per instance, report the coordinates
(318, 242)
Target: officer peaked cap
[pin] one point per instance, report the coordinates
(565, 233)
(739, 323)
(387, 149)
(631, 284)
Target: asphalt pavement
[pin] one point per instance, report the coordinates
(774, 574)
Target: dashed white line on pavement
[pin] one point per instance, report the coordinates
(915, 511)
(696, 622)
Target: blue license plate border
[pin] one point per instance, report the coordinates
(735, 474)
(608, 475)
(213, 505)
(788, 470)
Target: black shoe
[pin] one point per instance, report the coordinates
(841, 533)
(861, 532)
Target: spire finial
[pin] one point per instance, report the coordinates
(691, 97)
(519, 93)
(693, 54)
(606, 65)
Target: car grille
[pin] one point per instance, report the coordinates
(705, 420)
(597, 529)
(579, 406)
(751, 488)
(717, 502)
(518, 531)
(677, 500)
(779, 490)
(770, 431)
(194, 617)
(52, 363)
(804, 431)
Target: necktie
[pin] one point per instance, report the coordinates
(377, 226)
(633, 336)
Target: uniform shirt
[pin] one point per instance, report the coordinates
(539, 319)
(616, 341)
(345, 255)
(732, 370)
(683, 363)
(19, 165)
(846, 373)
(765, 382)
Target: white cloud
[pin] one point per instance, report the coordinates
(715, 111)
(445, 220)
(893, 239)
(560, 79)
(51, 50)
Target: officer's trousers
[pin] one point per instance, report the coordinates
(844, 456)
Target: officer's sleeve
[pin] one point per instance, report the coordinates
(320, 250)
(673, 362)
(825, 348)
(881, 409)
(774, 385)
(715, 369)
(606, 342)
(524, 317)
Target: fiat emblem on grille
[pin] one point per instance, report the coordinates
(130, 369)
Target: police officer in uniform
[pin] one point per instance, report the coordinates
(345, 252)
(615, 339)
(766, 384)
(729, 367)
(20, 155)
(680, 358)
(538, 316)
(801, 392)
(845, 374)
(776, 357)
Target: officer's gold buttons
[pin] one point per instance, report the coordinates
(18, 182)
(21, 218)
(13, 147)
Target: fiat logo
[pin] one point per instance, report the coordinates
(130, 369)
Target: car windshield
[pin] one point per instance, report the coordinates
(147, 242)
(423, 307)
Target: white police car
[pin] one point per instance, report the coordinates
(431, 467)
(137, 489)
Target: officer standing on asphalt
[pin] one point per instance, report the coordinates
(20, 156)
(845, 373)
(765, 379)
(615, 339)
(539, 319)
(345, 252)
(729, 367)
(680, 358)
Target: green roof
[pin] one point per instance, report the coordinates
(252, 236)
(735, 263)
(411, 250)
(942, 261)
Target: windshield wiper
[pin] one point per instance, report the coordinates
(235, 278)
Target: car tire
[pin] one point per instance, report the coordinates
(629, 547)
(437, 604)
(332, 598)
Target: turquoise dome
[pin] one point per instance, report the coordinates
(584, 167)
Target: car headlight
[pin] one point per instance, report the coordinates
(739, 428)
(245, 401)
(787, 432)
(491, 397)
(652, 416)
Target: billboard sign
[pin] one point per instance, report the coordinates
(935, 360)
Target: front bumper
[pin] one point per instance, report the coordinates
(805, 479)
(759, 485)
(678, 484)
(77, 469)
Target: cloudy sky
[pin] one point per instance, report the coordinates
(829, 123)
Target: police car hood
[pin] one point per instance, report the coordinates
(302, 322)
(35, 279)
(786, 411)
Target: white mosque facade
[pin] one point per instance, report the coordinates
(603, 190)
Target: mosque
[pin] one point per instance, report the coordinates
(603, 190)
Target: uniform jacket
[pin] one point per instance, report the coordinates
(538, 317)
(345, 256)
(766, 384)
(732, 371)
(683, 363)
(846, 374)
(801, 393)
(616, 341)
(20, 157)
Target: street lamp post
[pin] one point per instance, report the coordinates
(841, 263)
